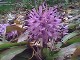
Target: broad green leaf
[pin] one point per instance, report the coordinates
(73, 40)
(49, 55)
(69, 36)
(8, 45)
(10, 53)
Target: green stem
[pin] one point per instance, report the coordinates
(8, 45)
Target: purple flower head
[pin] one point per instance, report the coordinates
(3, 31)
(46, 23)
(12, 34)
(3, 28)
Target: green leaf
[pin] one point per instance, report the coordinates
(69, 36)
(8, 45)
(73, 40)
(49, 55)
(10, 53)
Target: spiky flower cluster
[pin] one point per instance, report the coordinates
(46, 23)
